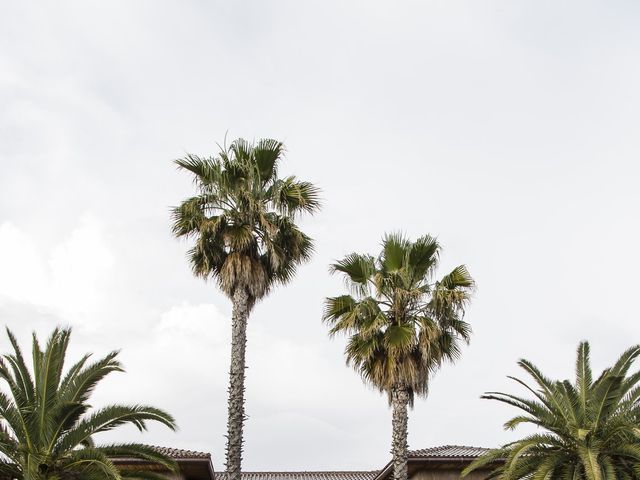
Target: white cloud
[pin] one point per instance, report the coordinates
(191, 342)
(203, 321)
(79, 267)
(23, 277)
(69, 278)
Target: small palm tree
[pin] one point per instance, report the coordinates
(47, 426)
(590, 429)
(243, 224)
(401, 323)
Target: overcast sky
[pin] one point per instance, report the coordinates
(509, 129)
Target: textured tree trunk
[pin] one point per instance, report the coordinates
(236, 416)
(399, 405)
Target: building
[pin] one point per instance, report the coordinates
(438, 463)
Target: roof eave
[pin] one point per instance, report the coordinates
(193, 461)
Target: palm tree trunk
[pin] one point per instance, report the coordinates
(399, 405)
(236, 416)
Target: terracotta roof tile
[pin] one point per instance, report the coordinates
(448, 451)
(353, 475)
(180, 454)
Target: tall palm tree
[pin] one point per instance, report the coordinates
(402, 324)
(590, 429)
(47, 426)
(243, 223)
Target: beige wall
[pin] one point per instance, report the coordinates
(448, 474)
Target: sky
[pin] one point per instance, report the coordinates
(508, 129)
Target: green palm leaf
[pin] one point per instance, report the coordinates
(590, 428)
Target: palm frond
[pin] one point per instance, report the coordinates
(358, 271)
(267, 153)
(584, 377)
(48, 427)
(589, 429)
(395, 252)
(91, 463)
(140, 452)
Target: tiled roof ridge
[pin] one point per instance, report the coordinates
(180, 453)
(440, 447)
(307, 474)
(305, 471)
(449, 451)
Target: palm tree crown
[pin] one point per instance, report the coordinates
(243, 218)
(402, 324)
(48, 428)
(589, 428)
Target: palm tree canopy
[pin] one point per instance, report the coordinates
(589, 429)
(243, 217)
(402, 324)
(47, 426)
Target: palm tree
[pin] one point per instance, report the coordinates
(590, 429)
(243, 223)
(402, 325)
(47, 426)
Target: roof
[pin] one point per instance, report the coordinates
(324, 475)
(198, 464)
(193, 465)
(446, 455)
(180, 454)
(437, 454)
(448, 451)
